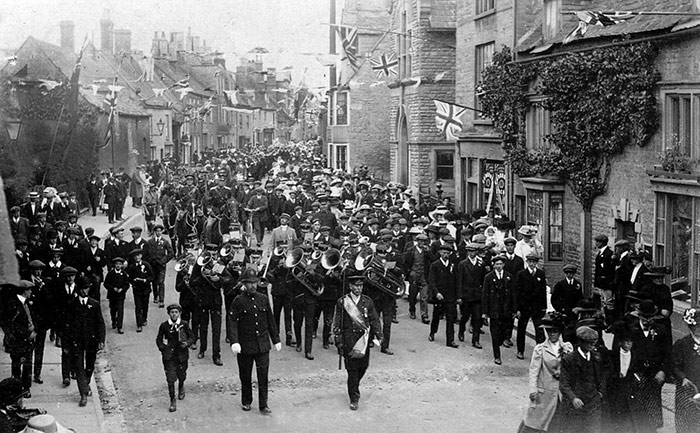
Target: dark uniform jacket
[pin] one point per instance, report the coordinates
(346, 332)
(169, 340)
(498, 300)
(86, 327)
(531, 292)
(73, 254)
(443, 279)
(252, 324)
(470, 279)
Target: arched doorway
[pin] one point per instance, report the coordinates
(402, 151)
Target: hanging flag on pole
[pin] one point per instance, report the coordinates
(603, 19)
(111, 101)
(386, 66)
(447, 118)
(348, 37)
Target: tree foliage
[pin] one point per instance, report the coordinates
(31, 160)
(599, 101)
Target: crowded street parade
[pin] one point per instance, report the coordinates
(213, 228)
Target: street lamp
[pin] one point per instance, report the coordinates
(161, 126)
(13, 127)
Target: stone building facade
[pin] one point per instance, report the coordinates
(358, 118)
(424, 40)
(655, 209)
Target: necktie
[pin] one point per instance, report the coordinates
(29, 316)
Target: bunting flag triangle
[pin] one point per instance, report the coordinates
(447, 119)
(386, 66)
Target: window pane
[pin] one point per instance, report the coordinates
(444, 163)
(342, 107)
(535, 208)
(556, 229)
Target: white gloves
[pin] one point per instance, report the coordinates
(236, 348)
(278, 346)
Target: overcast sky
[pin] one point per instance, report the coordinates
(287, 28)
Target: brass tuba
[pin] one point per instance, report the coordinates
(185, 263)
(293, 258)
(330, 259)
(377, 274)
(303, 271)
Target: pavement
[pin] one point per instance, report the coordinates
(62, 402)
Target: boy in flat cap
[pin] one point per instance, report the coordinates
(582, 384)
(567, 293)
(174, 339)
(117, 283)
(140, 276)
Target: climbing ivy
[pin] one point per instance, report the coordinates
(599, 101)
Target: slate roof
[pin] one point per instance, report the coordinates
(642, 24)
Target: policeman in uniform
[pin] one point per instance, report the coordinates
(252, 329)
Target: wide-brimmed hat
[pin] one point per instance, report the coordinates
(525, 230)
(45, 424)
(553, 320)
(646, 308)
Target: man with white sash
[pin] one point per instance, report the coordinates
(355, 321)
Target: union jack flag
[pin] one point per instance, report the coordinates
(603, 19)
(447, 118)
(386, 65)
(348, 38)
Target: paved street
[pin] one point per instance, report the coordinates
(424, 385)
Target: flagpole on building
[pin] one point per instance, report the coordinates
(111, 131)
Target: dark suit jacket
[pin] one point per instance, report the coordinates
(470, 279)
(26, 211)
(498, 301)
(577, 381)
(86, 328)
(92, 265)
(113, 250)
(566, 296)
(514, 265)
(531, 292)
(604, 274)
(140, 277)
(19, 229)
(623, 271)
(168, 341)
(158, 253)
(252, 324)
(16, 326)
(443, 279)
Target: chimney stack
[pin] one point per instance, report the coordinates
(107, 33)
(122, 41)
(67, 36)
